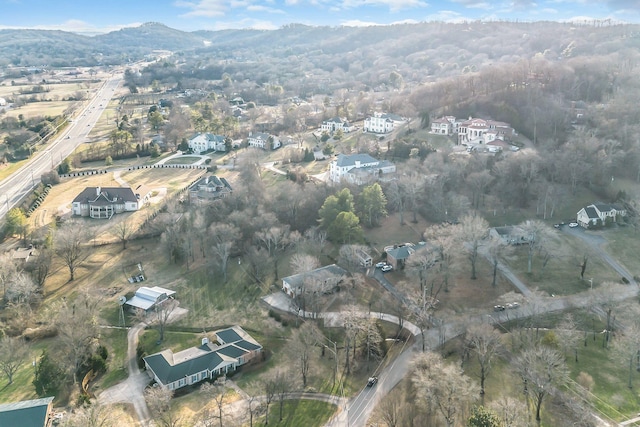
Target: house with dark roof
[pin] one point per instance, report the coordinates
(28, 413)
(599, 214)
(509, 235)
(397, 255)
(146, 299)
(358, 168)
(234, 347)
(323, 280)
(104, 202)
(201, 142)
(209, 188)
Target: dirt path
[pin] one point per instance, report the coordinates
(132, 389)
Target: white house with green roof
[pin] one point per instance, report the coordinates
(27, 413)
(234, 348)
(358, 168)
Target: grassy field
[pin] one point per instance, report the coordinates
(623, 243)
(182, 160)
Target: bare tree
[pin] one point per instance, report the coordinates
(283, 387)
(69, 244)
(442, 385)
(90, 415)
(542, 370)
(8, 271)
(568, 335)
(537, 234)
(41, 267)
(303, 341)
(223, 238)
(497, 251)
(123, 230)
(77, 330)
(13, 352)
(302, 263)
(254, 405)
(471, 231)
(159, 403)
(163, 312)
(485, 342)
(270, 386)
(352, 255)
(511, 411)
(217, 393)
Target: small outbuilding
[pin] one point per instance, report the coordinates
(146, 299)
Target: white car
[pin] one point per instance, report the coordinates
(380, 264)
(573, 224)
(386, 268)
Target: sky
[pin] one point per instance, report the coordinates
(99, 16)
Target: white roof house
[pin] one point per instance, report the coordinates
(358, 168)
(146, 298)
(263, 140)
(335, 124)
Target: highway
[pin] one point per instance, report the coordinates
(15, 187)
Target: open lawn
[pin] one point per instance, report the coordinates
(623, 243)
(182, 160)
(561, 276)
(308, 413)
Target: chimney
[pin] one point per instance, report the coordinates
(205, 341)
(98, 189)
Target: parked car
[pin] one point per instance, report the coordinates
(498, 308)
(513, 305)
(380, 264)
(573, 224)
(372, 381)
(386, 268)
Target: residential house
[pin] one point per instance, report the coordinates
(598, 214)
(27, 413)
(202, 142)
(146, 299)
(234, 348)
(264, 141)
(23, 254)
(209, 188)
(397, 255)
(382, 123)
(509, 235)
(481, 131)
(324, 279)
(446, 125)
(104, 202)
(358, 168)
(335, 124)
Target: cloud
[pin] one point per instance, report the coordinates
(247, 23)
(447, 16)
(394, 5)
(202, 8)
(474, 4)
(76, 26)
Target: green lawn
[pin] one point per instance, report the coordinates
(295, 413)
(182, 160)
(624, 245)
(116, 342)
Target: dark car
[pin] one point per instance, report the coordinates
(372, 381)
(498, 308)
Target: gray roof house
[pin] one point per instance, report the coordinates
(397, 255)
(382, 122)
(358, 168)
(145, 299)
(234, 348)
(28, 413)
(324, 279)
(509, 235)
(209, 188)
(104, 202)
(598, 214)
(335, 124)
(201, 142)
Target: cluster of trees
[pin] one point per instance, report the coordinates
(22, 134)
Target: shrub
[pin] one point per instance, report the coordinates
(585, 380)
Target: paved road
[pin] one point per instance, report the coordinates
(15, 187)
